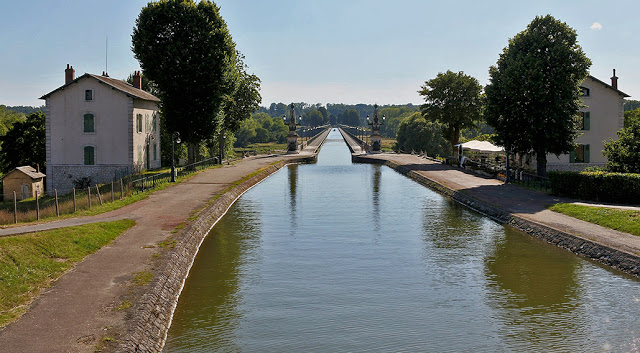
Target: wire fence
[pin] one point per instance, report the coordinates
(56, 204)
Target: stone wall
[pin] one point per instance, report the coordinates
(61, 177)
(617, 259)
(153, 313)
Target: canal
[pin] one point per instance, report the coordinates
(342, 257)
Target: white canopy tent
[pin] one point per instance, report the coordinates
(480, 146)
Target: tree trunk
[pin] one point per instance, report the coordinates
(192, 149)
(454, 138)
(541, 158)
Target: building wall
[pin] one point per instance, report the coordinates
(64, 175)
(606, 118)
(143, 142)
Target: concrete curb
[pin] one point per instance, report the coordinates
(615, 258)
(152, 315)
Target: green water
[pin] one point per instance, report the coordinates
(341, 257)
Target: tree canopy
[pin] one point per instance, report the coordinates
(533, 95)
(24, 144)
(454, 100)
(417, 134)
(187, 51)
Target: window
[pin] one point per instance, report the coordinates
(154, 121)
(146, 122)
(89, 155)
(140, 154)
(585, 121)
(155, 152)
(139, 123)
(580, 154)
(88, 94)
(584, 92)
(89, 123)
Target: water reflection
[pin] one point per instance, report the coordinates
(534, 301)
(375, 182)
(293, 185)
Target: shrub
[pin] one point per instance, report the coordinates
(597, 186)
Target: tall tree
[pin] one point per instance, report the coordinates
(533, 95)
(454, 100)
(186, 49)
(415, 133)
(24, 144)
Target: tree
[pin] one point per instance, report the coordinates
(454, 100)
(417, 134)
(186, 49)
(630, 116)
(533, 95)
(8, 117)
(24, 144)
(630, 104)
(623, 155)
(314, 118)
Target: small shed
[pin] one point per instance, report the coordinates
(25, 181)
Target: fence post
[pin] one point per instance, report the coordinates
(121, 188)
(98, 192)
(15, 208)
(112, 197)
(55, 193)
(89, 195)
(74, 200)
(37, 206)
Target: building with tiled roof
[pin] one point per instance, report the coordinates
(98, 127)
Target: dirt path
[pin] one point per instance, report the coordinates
(81, 307)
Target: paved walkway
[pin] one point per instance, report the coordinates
(514, 199)
(73, 314)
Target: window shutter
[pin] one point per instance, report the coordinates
(587, 120)
(572, 157)
(586, 154)
(88, 123)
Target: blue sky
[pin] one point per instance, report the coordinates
(317, 51)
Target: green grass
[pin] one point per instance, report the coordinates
(627, 221)
(30, 262)
(142, 278)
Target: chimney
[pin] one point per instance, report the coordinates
(69, 74)
(614, 80)
(137, 79)
(105, 74)
(38, 167)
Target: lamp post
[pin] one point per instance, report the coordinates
(376, 138)
(175, 136)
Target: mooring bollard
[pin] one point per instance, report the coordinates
(55, 193)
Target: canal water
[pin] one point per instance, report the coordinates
(342, 257)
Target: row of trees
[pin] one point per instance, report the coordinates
(22, 137)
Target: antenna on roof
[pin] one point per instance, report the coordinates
(106, 54)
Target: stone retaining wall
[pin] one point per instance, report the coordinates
(153, 313)
(620, 260)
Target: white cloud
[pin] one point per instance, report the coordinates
(596, 25)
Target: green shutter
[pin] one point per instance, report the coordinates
(89, 155)
(89, 123)
(586, 153)
(587, 121)
(572, 157)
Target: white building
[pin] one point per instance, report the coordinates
(100, 128)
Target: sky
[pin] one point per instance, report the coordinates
(316, 51)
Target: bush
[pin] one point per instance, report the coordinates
(597, 186)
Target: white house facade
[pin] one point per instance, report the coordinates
(99, 128)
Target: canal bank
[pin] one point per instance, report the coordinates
(521, 208)
(98, 302)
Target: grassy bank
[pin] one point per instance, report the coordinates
(30, 262)
(627, 221)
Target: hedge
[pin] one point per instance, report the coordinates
(597, 186)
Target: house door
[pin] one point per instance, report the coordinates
(26, 191)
